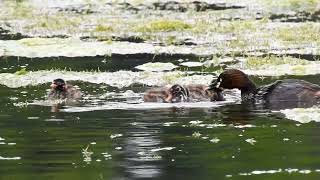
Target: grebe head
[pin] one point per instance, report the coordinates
(58, 85)
(230, 79)
(179, 91)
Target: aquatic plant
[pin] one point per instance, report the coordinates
(196, 134)
(306, 5)
(20, 9)
(87, 155)
(233, 26)
(238, 26)
(39, 41)
(171, 78)
(299, 69)
(58, 21)
(307, 32)
(103, 28)
(164, 25)
(254, 62)
(22, 71)
(239, 43)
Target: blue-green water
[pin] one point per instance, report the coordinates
(111, 134)
(215, 142)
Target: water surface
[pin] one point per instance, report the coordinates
(133, 140)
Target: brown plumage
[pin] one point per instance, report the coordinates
(61, 90)
(178, 93)
(158, 95)
(201, 93)
(287, 92)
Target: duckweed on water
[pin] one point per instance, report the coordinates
(116, 79)
(103, 28)
(277, 66)
(56, 22)
(171, 79)
(164, 25)
(307, 5)
(254, 62)
(239, 26)
(22, 71)
(19, 10)
(301, 34)
(233, 26)
(40, 41)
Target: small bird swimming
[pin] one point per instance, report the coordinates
(178, 93)
(61, 90)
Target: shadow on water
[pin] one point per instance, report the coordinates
(99, 63)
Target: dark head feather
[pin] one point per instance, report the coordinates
(231, 78)
(60, 84)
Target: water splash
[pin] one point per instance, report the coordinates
(128, 106)
(162, 149)
(112, 136)
(107, 156)
(274, 171)
(169, 123)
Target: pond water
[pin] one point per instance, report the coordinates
(112, 134)
(115, 50)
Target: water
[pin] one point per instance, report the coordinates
(132, 140)
(112, 133)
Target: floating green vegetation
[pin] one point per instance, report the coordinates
(18, 10)
(106, 40)
(235, 26)
(171, 40)
(103, 28)
(22, 71)
(56, 22)
(164, 26)
(299, 69)
(239, 42)
(254, 62)
(308, 32)
(39, 41)
(307, 5)
(171, 78)
(238, 26)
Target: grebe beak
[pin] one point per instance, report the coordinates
(53, 85)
